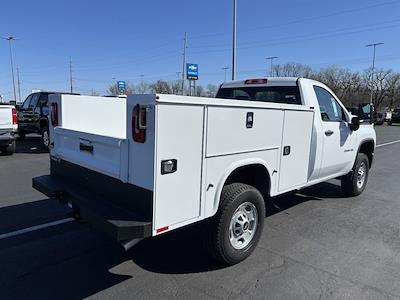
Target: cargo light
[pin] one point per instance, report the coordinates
(256, 81)
(54, 114)
(139, 123)
(14, 116)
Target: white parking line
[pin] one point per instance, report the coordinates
(33, 228)
(386, 144)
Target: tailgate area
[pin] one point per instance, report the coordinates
(101, 200)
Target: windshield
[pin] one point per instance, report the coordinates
(276, 94)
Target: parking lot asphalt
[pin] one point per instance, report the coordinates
(316, 245)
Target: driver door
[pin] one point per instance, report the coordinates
(338, 138)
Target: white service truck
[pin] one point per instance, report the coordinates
(149, 164)
(8, 128)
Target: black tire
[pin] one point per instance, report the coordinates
(351, 183)
(10, 149)
(45, 137)
(390, 123)
(21, 135)
(233, 196)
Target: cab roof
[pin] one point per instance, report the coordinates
(262, 81)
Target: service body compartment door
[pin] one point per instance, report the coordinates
(295, 154)
(179, 139)
(241, 130)
(103, 154)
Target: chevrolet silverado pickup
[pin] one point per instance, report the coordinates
(148, 164)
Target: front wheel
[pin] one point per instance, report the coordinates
(10, 149)
(353, 184)
(46, 137)
(236, 228)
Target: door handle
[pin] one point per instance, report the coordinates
(328, 132)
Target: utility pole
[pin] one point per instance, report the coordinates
(184, 63)
(70, 75)
(9, 39)
(225, 69)
(373, 71)
(271, 58)
(234, 40)
(19, 86)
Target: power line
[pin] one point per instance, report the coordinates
(296, 21)
(343, 30)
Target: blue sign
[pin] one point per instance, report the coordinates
(192, 71)
(121, 85)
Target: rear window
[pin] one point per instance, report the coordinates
(275, 94)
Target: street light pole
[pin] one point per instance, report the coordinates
(373, 70)
(234, 40)
(9, 39)
(225, 69)
(271, 58)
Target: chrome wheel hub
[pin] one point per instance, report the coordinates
(46, 140)
(361, 175)
(243, 225)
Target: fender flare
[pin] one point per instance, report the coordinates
(362, 142)
(232, 167)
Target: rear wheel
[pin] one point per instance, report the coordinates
(236, 228)
(353, 184)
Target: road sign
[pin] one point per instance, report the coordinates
(121, 86)
(192, 71)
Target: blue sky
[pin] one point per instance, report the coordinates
(126, 39)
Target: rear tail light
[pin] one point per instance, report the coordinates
(256, 81)
(54, 114)
(14, 116)
(139, 123)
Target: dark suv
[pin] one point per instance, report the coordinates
(33, 116)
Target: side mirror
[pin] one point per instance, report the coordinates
(354, 123)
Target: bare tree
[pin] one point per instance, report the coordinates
(143, 88)
(211, 90)
(160, 87)
(292, 70)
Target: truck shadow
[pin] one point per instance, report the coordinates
(184, 250)
(67, 261)
(32, 144)
(73, 255)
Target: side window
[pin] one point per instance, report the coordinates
(25, 105)
(34, 101)
(43, 99)
(330, 109)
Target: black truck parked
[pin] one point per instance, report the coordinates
(33, 116)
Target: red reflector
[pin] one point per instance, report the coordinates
(256, 81)
(162, 229)
(54, 114)
(139, 124)
(14, 116)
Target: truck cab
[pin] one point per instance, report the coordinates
(337, 136)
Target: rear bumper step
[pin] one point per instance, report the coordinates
(119, 223)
